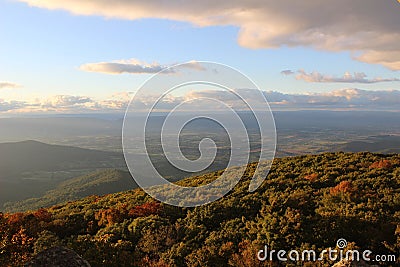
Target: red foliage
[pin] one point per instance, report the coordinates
(16, 218)
(118, 214)
(145, 209)
(342, 187)
(42, 215)
(382, 164)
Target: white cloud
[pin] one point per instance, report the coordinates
(65, 101)
(368, 27)
(124, 66)
(8, 85)
(357, 77)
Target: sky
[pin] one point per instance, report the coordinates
(70, 56)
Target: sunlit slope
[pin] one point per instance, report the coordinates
(307, 202)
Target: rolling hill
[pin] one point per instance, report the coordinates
(30, 168)
(96, 183)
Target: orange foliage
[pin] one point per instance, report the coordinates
(20, 246)
(21, 238)
(311, 177)
(148, 262)
(342, 187)
(246, 257)
(382, 164)
(110, 216)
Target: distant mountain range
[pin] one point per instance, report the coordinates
(382, 144)
(36, 156)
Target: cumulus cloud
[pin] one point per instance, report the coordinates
(369, 28)
(8, 85)
(6, 106)
(65, 101)
(124, 66)
(357, 77)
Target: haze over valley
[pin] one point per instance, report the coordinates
(82, 146)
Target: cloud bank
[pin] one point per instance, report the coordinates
(343, 99)
(316, 77)
(367, 28)
(349, 98)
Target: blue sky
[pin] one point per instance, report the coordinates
(42, 51)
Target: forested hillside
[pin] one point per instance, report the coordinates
(307, 202)
(95, 183)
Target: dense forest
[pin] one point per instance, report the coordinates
(307, 202)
